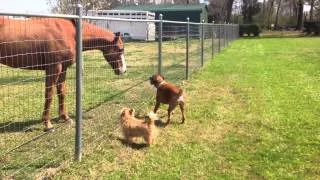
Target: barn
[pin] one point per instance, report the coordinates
(196, 12)
(142, 31)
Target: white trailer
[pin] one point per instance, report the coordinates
(130, 29)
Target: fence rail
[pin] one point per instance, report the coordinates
(175, 49)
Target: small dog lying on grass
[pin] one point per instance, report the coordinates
(167, 93)
(133, 127)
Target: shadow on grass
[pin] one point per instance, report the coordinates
(26, 126)
(22, 80)
(280, 36)
(22, 126)
(160, 123)
(112, 97)
(133, 145)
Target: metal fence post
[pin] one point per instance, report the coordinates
(202, 39)
(233, 32)
(187, 48)
(225, 34)
(160, 45)
(78, 83)
(212, 40)
(219, 42)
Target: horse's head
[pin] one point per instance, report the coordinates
(114, 54)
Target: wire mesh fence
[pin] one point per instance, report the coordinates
(28, 102)
(30, 72)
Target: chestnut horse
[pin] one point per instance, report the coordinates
(48, 44)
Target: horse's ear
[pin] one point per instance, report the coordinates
(117, 35)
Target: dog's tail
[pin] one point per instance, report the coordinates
(180, 96)
(180, 92)
(153, 117)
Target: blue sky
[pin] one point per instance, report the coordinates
(31, 6)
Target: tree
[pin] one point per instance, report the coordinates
(276, 24)
(229, 4)
(249, 9)
(311, 2)
(317, 9)
(215, 10)
(220, 10)
(186, 2)
(68, 6)
(300, 14)
(61, 6)
(270, 11)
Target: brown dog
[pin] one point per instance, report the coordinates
(167, 93)
(132, 127)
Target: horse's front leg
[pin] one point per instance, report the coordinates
(61, 91)
(51, 79)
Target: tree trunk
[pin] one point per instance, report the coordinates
(295, 8)
(300, 15)
(262, 16)
(269, 13)
(277, 15)
(229, 9)
(311, 10)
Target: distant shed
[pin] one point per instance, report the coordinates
(196, 12)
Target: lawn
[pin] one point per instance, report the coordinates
(25, 150)
(252, 113)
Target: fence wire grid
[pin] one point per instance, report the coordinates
(30, 42)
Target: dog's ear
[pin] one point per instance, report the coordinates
(151, 78)
(122, 113)
(131, 111)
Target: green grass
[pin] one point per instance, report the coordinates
(253, 113)
(22, 96)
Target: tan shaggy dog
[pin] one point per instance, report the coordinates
(167, 93)
(133, 127)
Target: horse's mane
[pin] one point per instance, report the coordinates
(93, 31)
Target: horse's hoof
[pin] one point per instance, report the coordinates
(52, 129)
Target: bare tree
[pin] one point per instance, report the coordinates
(300, 14)
(276, 24)
(311, 2)
(68, 6)
(270, 11)
(229, 4)
(249, 9)
(215, 10)
(220, 10)
(61, 6)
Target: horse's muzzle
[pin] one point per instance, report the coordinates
(118, 72)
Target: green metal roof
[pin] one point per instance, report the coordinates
(163, 7)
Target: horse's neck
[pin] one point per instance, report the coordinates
(95, 37)
(94, 44)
